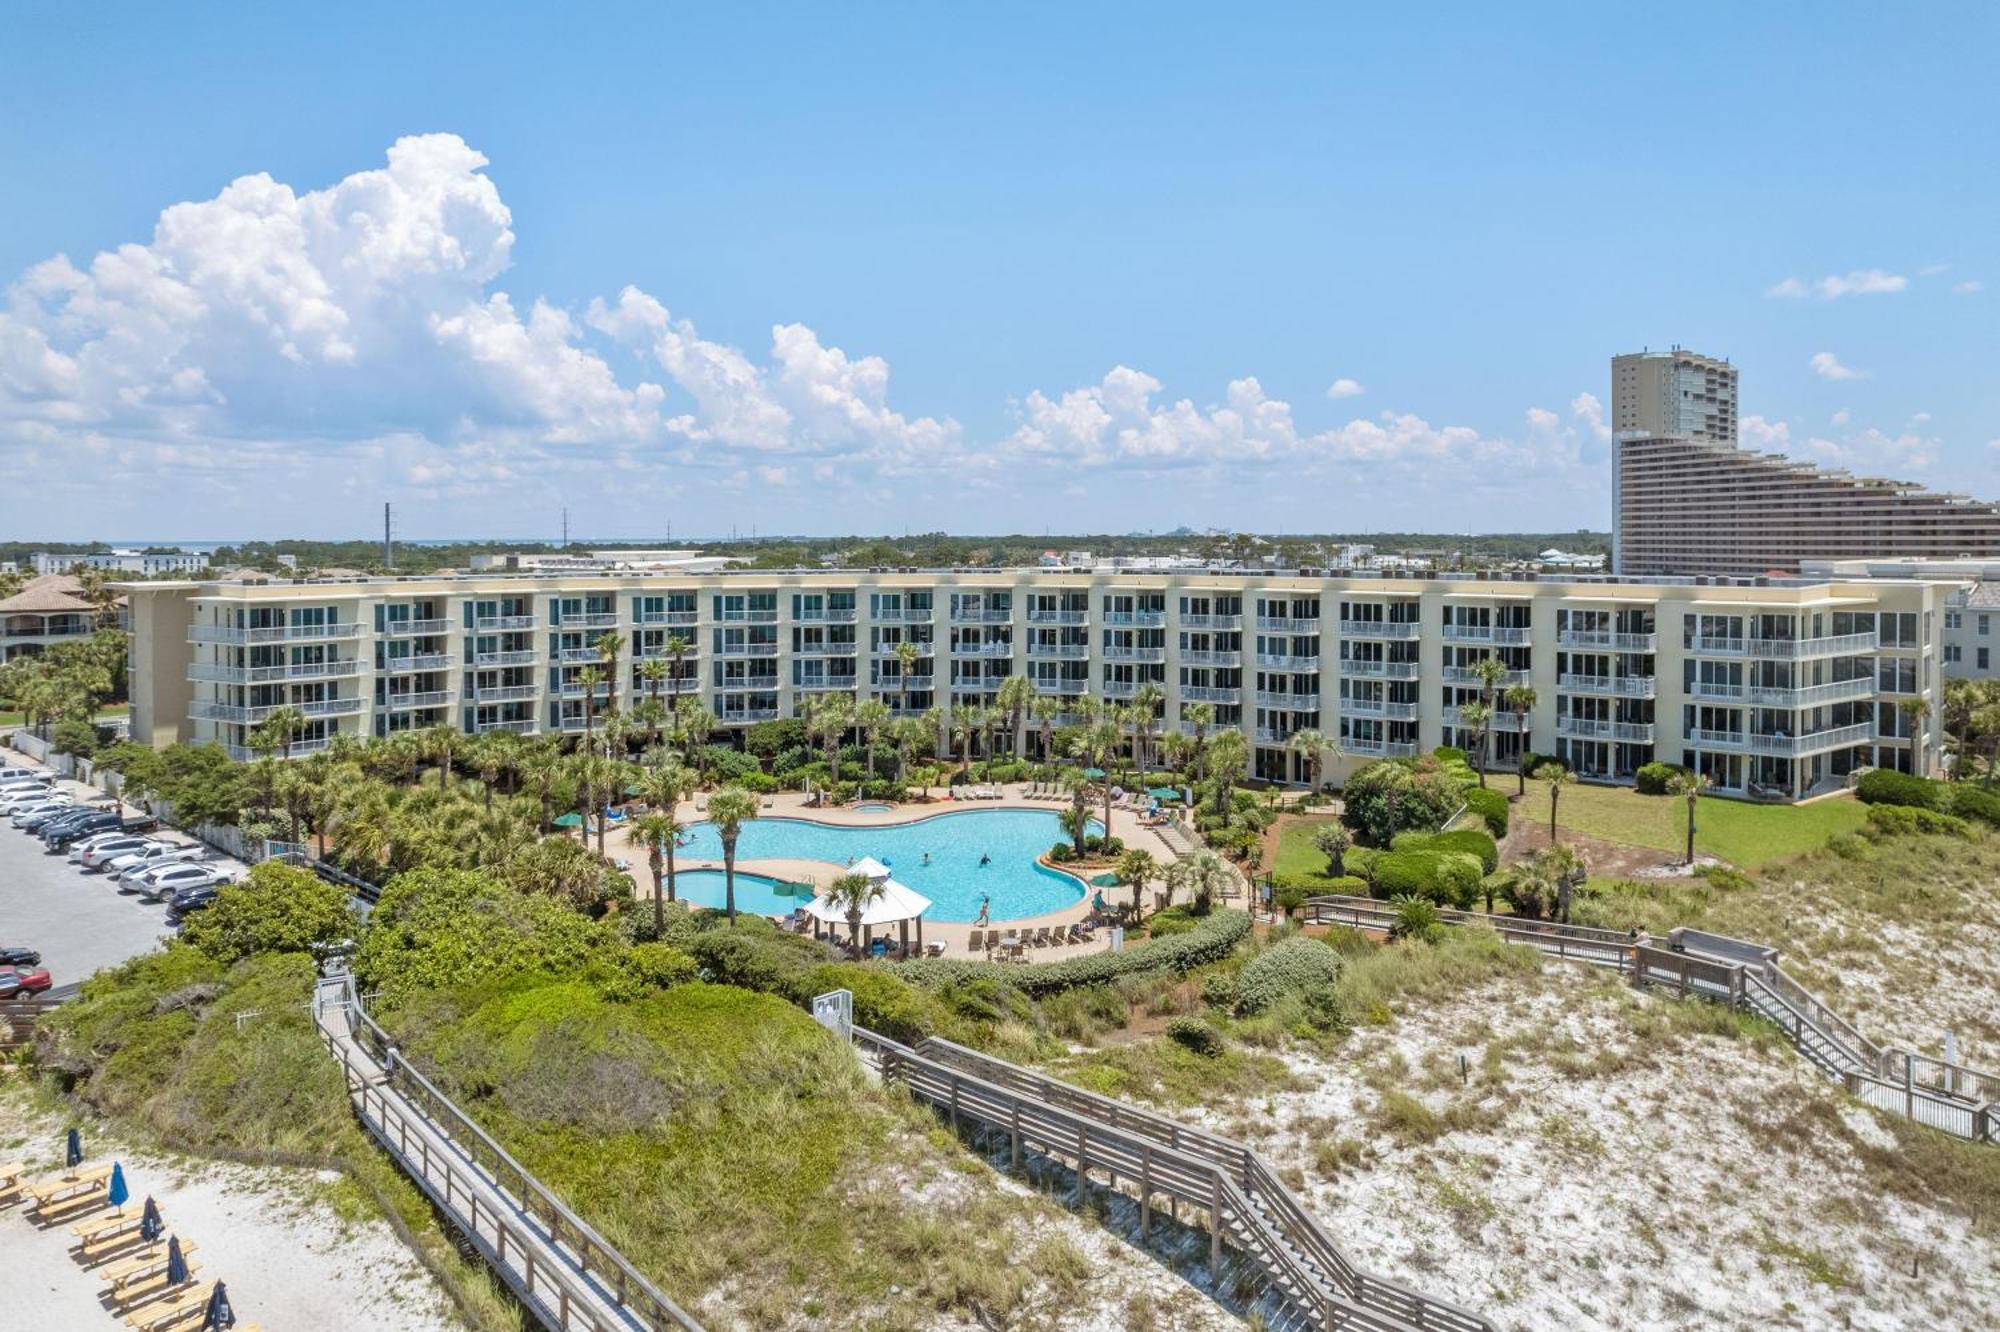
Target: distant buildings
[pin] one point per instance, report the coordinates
(144, 563)
(1673, 393)
(679, 561)
(51, 609)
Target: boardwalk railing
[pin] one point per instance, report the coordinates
(563, 1270)
(1153, 1156)
(17, 1020)
(1958, 1100)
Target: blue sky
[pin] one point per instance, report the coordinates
(877, 267)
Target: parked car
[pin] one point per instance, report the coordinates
(83, 845)
(29, 797)
(17, 982)
(59, 833)
(187, 901)
(35, 816)
(99, 853)
(12, 777)
(19, 957)
(132, 864)
(162, 882)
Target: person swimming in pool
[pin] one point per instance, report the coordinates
(984, 860)
(927, 857)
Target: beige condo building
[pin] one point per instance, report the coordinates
(1777, 689)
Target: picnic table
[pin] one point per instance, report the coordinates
(10, 1179)
(149, 1261)
(185, 1304)
(150, 1282)
(104, 1233)
(85, 1184)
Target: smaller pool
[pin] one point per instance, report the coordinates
(756, 894)
(873, 807)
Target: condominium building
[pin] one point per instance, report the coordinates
(1774, 688)
(1684, 506)
(1673, 393)
(48, 611)
(147, 562)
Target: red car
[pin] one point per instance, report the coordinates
(19, 982)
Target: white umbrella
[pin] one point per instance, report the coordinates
(871, 867)
(897, 902)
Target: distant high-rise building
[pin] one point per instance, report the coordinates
(1673, 393)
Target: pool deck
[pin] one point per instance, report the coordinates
(954, 934)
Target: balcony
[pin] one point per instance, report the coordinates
(1140, 617)
(835, 615)
(1203, 657)
(1365, 668)
(826, 650)
(1466, 675)
(1062, 688)
(312, 670)
(245, 754)
(1210, 694)
(1404, 629)
(1607, 640)
(577, 655)
(1156, 655)
(242, 716)
(502, 693)
(744, 716)
(272, 633)
(504, 623)
(1499, 721)
(524, 726)
(1485, 633)
(1210, 621)
(1838, 737)
(747, 616)
(1812, 696)
(589, 620)
(1294, 702)
(760, 684)
(667, 617)
(660, 652)
(1375, 707)
(1718, 690)
(571, 689)
(1590, 728)
(1380, 748)
(1283, 625)
(1711, 645)
(747, 650)
(907, 615)
(1802, 649)
(429, 661)
(893, 649)
(1618, 686)
(989, 650)
(981, 615)
(526, 658)
(827, 684)
(1281, 662)
(415, 628)
(978, 684)
(1058, 617)
(1271, 735)
(1059, 651)
(434, 698)
(1118, 688)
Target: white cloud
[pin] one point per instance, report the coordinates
(1759, 433)
(1827, 366)
(1841, 417)
(1877, 452)
(1345, 388)
(1860, 282)
(1932, 270)
(1967, 287)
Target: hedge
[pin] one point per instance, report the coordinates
(1891, 820)
(1973, 802)
(1210, 941)
(1490, 805)
(1295, 966)
(1654, 778)
(1471, 841)
(1449, 878)
(1886, 786)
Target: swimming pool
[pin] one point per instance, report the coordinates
(873, 807)
(953, 879)
(756, 895)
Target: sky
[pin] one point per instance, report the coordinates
(887, 268)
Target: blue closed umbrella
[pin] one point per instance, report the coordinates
(218, 1315)
(73, 1150)
(150, 1224)
(177, 1268)
(119, 1193)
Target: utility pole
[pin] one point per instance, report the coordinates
(388, 541)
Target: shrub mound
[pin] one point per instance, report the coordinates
(1886, 786)
(1652, 778)
(1491, 806)
(1213, 938)
(1295, 966)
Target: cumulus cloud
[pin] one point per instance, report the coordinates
(1878, 452)
(1827, 366)
(1759, 433)
(1859, 282)
(1967, 287)
(1345, 388)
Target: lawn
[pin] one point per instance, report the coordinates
(1745, 834)
(1297, 856)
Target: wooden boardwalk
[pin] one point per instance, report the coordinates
(564, 1274)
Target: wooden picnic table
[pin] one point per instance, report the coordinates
(103, 1233)
(149, 1259)
(151, 1283)
(70, 1187)
(10, 1179)
(185, 1303)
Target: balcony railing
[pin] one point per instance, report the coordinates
(1294, 702)
(1811, 696)
(1713, 645)
(1607, 639)
(1368, 669)
(1059, 651)
(1205, 657)
(747, 650)
(1591, 728)
(748, 616)
(829, 616)
(1118, 688)
(969, 615)
(1210, 694)
(1288, 624)
(907, 615)
(585, 620)
(1371, 707)
(1381, 629)
(762, 684)
(1838, 737)
(272, 633)
(982, 649)
(523, 658)
(826, 650)
(827, 684)
(1486, 633)
(1058, 617)
(1380, 748)
(890, 649)
(1467, 675)
(1621, 686)
(667, 617)
(415, 628)
(247, 716)
(503, 693)
(1799, 649)
(660, 651)
(429, 661)
(743, 716)
(311, 670)
(1282, 662)
(521, 726)
(297, 749)
(1065, 688)
(1135, 617)
(582, 654)
(1501, 720)
(501, 623)
(1271, 735)
(431, 698)
(978, 684)
(1210, 621)
(1148, 654)
(573, 690)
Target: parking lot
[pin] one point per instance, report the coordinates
(79, 922)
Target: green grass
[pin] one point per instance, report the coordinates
(1296, 853)
(1745, 834)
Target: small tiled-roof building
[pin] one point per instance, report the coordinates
(50, 609)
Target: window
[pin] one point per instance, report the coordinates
(1985, 623)
(1951, 619)
(1983, 663)
(1951, 653)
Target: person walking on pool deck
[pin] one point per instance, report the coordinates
(985, 909)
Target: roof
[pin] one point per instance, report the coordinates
(896, 902)
(1983, 596)
(50, 594)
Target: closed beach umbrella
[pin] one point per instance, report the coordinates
(218, 1315)
(569, 820)
(119, 1193)
(150, 1224)
(1094, 774)
(177, 1268)
(73, 1150)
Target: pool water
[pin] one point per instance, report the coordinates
(873, 807)
(756, 895)
(954, 879)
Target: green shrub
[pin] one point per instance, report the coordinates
(1416, 918)
(1212, 938)
(1449, 878)
(1290, 898)
(1972, 802)
(1218, 990)
(1655, 778)
(1062, 853)
(1296, 966)
(1196, 1036)
(1174, 920)
(74, 735)
(279, 908)
(884, 1002)
(755, 956)
(1903, 820)
(1474, 842)
(648, 967)
(986, 999)
(1886, 786)
(1450, 754)
(1390, 796)
(1491, 806)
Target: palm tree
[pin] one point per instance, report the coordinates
(989, 720)
(1203, 874)
(663, 788)
(1311, 746)
(541, 768)
(1136, 868)
(1076, 819)
(1689, 786)
(729, 809)
(588, 679)
(693, 721)
(295, 790)
(853, 894)
(872, 717)
(677, 650)
(1147, 701)
(907, 657)
(1557, 776)
(1200, 716)
(1333, 841)
(284, 724)
(609, 644)
(439, 743)
(1520, 700)
(962, 728)
(490, 758)
(654, 672)
(1016, 694)
(1045, 709)
(1477, 717)
(1227, 756)
(828, 719)
(656, 829)
(1491, 673)
(1099, 743)
(1915, 712)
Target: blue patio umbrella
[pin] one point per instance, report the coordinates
(150, 1224)
(218, 1315)
(177, 1267)
(73, 1150)
(118, 1192)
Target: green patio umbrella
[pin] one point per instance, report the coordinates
(569, 820)
(1094, 774)
(635, 789)
(1164, 792)
(1105, 881)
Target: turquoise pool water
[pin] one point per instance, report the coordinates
(873, 807)
(756, 895)
(954, 879)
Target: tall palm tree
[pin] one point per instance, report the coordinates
(663, 788)
(729, 809)
(541, 768)
(907, 657)
(1491, 673)
(489, 759)
(1203, 874)
(609, 644)
(872, 716)
(989, 721)
(1689, 786)
(1520, 700)
(693, 722)
(909, 735)
(284, 725)
(1226, 757)
(1310, 745)
(1200, 716)
(1557, 776)
(1045, 709)
(439, 744)
(853, 894)
(828, 719)
(654, 672)
(963, 726)
(1137, 868)
(1477, 717)
(588, 679)
(1915, 712)
(1015, 695)
(656, 830)
(1147, 701)
(677, 650)
(1100, 741)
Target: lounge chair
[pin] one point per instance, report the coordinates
(1041, 939)
(977, 943)
(935, 948)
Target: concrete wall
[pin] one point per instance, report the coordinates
(159, 664)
